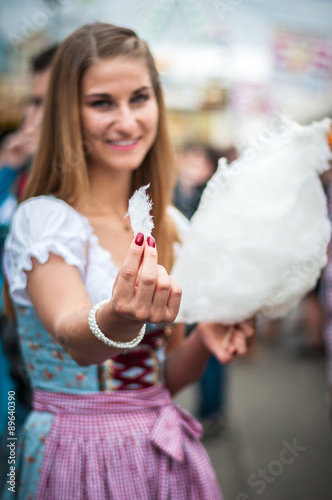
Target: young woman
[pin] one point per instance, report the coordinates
(104, 425)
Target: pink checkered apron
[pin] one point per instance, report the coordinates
(123, 445)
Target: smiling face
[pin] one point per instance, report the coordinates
(119, 114)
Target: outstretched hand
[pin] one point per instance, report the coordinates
(143, 290)
(227, 341)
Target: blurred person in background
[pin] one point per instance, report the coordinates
(306, 324)
(18, 148)
(16, 154)
(104, 424)
(311, 322)
(196, 164)
(312, 310)
(326, 287)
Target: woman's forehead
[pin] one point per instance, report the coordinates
(115, 74)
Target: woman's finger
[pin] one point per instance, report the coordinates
(249, 329)
(160, 296)
(129, 271)
(147, 279)
(239, 344)
(174, 300)
(227, 337)
(227, 349)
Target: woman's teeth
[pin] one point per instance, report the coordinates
(123, 143)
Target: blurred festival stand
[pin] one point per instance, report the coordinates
(228, 67)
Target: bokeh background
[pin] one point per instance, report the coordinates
(231, 70)
(228, 66)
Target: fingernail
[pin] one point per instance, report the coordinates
(151, 241)
(139, 239)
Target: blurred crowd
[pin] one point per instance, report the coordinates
(196, 162)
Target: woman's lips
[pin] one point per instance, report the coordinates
(123, 145)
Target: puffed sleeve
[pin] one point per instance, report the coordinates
(42, 225)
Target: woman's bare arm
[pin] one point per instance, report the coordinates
(143, 292)
(186, 362)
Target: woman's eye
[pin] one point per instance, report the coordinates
(101, 104)
(139, 98)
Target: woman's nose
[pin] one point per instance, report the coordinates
(125, 120)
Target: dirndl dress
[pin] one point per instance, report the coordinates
(96, 432)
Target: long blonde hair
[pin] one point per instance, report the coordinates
(60, 165)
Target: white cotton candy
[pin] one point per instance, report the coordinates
(258, 241)
(139, 212)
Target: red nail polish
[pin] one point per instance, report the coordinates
(139, 239)
(151, 241)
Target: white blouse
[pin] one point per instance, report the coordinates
(46, 224)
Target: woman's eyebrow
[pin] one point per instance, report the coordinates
(141, 89)
(109, 96)
(100, 96)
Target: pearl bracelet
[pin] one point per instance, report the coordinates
(99, 334)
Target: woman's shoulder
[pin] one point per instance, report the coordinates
(40, 226)
(47, 212)
(46, 223)
(40, 203)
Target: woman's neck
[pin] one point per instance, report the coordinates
(109, 192)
